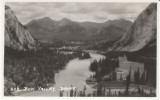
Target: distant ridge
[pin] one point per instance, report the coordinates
(66, 29)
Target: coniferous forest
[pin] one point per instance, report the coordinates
(32, 68)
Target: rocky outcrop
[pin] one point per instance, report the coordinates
(142, 33)
(16, 35)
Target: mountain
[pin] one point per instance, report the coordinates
(70, 30)
(16, 35)
(48, 29)
(109, 33)
(41, 29)
(91, 27)
(66, 29)
(94, 27)
(121, 23)
(142, 33)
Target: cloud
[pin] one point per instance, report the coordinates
(77, 11)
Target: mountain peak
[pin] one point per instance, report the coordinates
(7, 7)
(65, 20)
(46, 18)
(122, 19)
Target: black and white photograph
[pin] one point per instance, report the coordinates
(80, 49)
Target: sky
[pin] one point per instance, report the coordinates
(76, 11)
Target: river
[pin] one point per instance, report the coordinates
(75, 73)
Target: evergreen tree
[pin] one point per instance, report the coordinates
(75, 93)
(104, 91)
(109, 93)
(84, 89)
(71, 93)
(128, 81)
(121, 78)
(143, 77)
(138, 76)
(94, 93)
(99, 90)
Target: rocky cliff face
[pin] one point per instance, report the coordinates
(142, 33)
(16, 35)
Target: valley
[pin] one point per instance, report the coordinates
(114, 58)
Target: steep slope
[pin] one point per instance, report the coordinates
(142, 32)
(16, 35)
